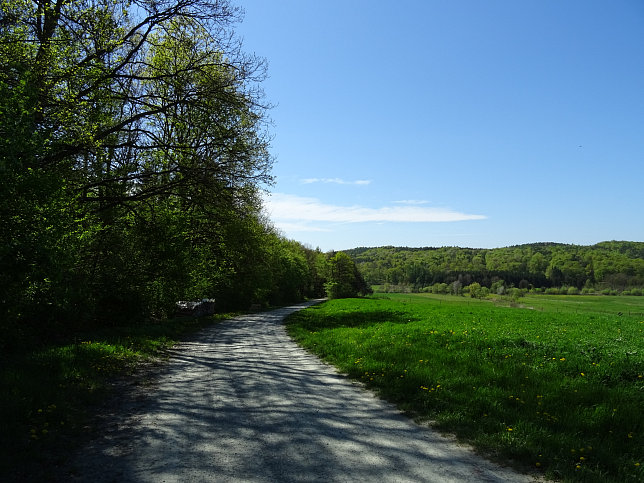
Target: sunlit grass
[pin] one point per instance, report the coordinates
(620, 304)
(558, 392)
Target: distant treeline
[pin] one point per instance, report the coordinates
(607, 266)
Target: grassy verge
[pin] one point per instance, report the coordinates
(554, 390)
(47, 395)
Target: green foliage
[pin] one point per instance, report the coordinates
(614, 265)
(291, 272)
(133, 150)
(344, 279)
(477, 291)
(439, 288)
(498, 287)
(556, 389)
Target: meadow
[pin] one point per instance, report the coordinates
(611, 305)
(554, 385)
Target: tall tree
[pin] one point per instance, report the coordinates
(344, 279)
(132, 148)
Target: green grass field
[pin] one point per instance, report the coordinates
(556, 387)
(613, 305)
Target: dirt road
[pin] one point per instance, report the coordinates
(241, 402)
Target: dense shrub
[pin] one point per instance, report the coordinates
(439, 288)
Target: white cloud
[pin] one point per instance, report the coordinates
(360, 182)
(284, 208)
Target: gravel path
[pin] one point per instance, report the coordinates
(241, 402)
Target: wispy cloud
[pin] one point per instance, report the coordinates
(335, 181)
(291, 209)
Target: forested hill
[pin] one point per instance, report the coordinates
(610, 265)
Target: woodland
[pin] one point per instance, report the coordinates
(134, 150)
(609, 267)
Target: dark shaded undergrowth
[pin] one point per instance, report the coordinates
(49, 394)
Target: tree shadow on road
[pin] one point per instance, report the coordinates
(242, 402)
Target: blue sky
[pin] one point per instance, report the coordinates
(465, 123)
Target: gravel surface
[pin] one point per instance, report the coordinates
(241, 402)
